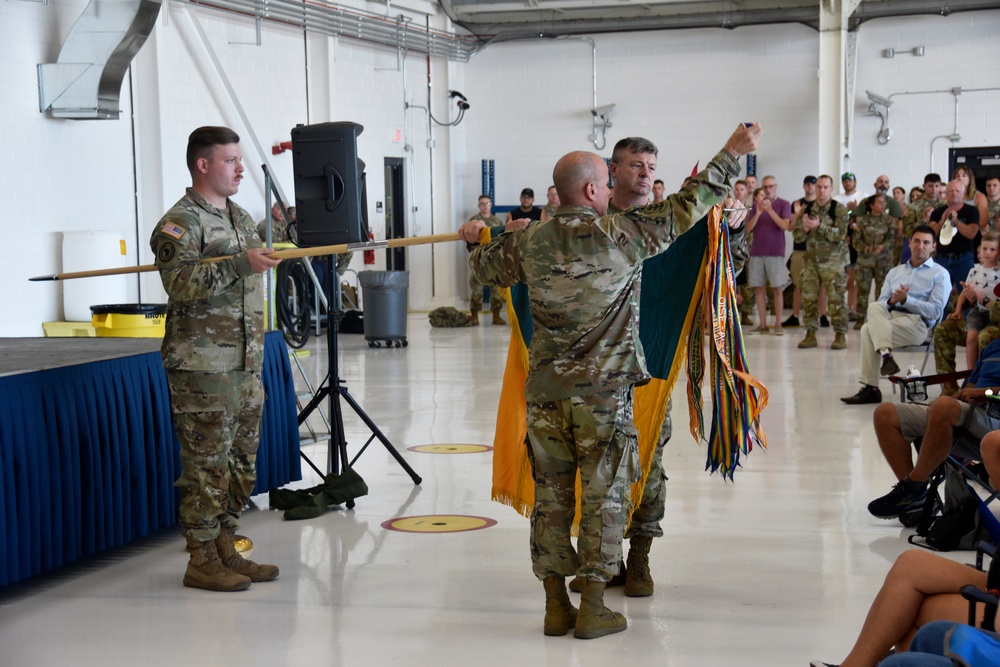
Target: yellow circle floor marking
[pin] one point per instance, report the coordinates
(438, 523)
(449, 449)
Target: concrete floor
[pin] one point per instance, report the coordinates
(775, 569)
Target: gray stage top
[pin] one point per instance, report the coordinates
(25, 355)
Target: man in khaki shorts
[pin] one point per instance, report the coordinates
(897, 425)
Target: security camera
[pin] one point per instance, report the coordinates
(455, 93)
(462, 104)
(878, 99)
(604, 111)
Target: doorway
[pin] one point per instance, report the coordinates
(395, 213)
(984, 162)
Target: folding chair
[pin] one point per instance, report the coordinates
(915, 389)
(965, 449)
(991, 595)
(929, 345)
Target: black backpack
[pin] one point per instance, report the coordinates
(952, 522)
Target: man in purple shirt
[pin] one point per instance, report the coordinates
(769, 219)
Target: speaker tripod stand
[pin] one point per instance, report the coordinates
(333, 390)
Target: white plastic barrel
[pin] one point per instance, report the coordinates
(90, 251)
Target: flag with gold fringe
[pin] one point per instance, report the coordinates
(687, 291)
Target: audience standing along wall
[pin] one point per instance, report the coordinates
(531, 102)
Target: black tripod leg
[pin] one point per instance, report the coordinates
(378, 434)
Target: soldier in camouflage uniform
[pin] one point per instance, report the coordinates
(551, 204)
(213, 353)
(476, 299)
(993, 202)
(822, 225)
(747, 299)
(919, 211)
(874, 238)
(633, 165)
(581, 270)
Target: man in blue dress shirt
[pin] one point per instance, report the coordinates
(912, 301)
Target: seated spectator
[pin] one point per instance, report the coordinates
(898, 425)
(912, 301)
(921, 587)
(927, 649)
(976, 300)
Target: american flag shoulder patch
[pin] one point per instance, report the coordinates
(172, 230)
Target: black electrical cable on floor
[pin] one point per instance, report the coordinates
(295, 318)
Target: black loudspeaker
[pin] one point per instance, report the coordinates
(330, 205)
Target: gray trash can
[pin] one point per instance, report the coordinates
(384, 295)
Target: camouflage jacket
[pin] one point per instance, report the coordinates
(994, 210)
(828, 241)
(915, 214)
(739, 243)
(874, 231)
(215, 311)
(581, 271)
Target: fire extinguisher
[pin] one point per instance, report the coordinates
(370, 254)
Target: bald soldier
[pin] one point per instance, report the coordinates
(581, 269)
(633, 165)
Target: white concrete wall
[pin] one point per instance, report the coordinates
(962, 50)
(684, 90)
(531, 103)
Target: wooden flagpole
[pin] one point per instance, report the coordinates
(289, 253)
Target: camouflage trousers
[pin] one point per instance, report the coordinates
(652, 506)
(952, 334)
(595, 434)
(834, 279)
(864, 276)
(217, 417)
(476, 299)
(747, 304)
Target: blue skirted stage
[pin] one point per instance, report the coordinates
(88, 453)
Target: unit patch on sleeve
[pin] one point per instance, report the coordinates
(166, 252)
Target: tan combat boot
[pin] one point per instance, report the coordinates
(639, 583)
(858, 323)
(596, 620)
(240, 565)
(205, 570)
(475, 318)
(839, 342)
(560, 614)
(809, 340)
(497, 319)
